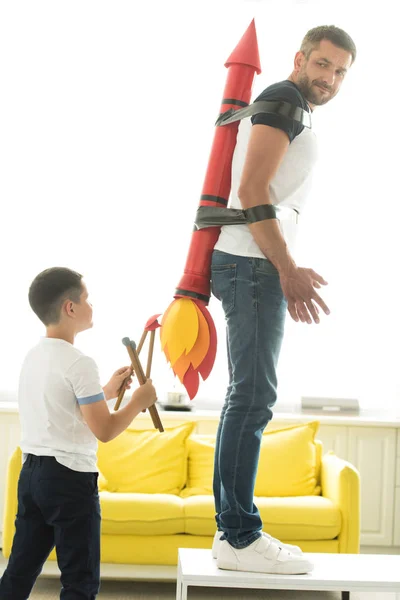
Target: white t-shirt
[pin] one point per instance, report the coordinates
(55, 379)
(289, 189)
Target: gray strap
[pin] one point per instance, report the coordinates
(260, 213)
(214, 216)
(275, 107)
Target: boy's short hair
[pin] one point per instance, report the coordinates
(49, 290)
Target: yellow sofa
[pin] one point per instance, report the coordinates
(156, 494)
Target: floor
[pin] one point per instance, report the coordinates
(48, 588)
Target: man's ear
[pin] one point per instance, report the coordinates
(299, 60)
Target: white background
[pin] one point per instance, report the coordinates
(107, 111)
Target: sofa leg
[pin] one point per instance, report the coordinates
(345, 595)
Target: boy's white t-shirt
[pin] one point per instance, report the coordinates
(55, 379)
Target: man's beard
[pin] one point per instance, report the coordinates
(310, 93)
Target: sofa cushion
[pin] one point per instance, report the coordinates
(301, 518)
(101, 482)
(145, 461)
(141, 514)
(200, 465)
(289, 464)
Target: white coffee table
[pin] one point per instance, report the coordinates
(333, 572)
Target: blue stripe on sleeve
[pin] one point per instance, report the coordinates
(91, 399)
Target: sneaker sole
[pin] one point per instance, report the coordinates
(293, 568)
(214, 552)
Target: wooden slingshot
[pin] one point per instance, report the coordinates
(151, 325)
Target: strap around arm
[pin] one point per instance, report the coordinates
(214, 216)
(260, 213)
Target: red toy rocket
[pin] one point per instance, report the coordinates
(188, 335)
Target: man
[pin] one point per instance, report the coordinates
(256, 279)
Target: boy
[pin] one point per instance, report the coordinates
(62, 411)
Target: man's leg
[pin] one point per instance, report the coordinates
(255, 311)
(217, 478)
(32, 543)
(70, 503)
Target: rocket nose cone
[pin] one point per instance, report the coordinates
(246, 51)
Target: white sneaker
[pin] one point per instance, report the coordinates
(262, 556)
(218, 535)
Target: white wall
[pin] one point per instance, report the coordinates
(107, 121)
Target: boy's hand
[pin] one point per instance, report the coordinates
(145, 395)
(112, 388)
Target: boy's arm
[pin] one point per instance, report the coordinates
(105, 425)
(107, 395)
(83, 377)
(107, 398)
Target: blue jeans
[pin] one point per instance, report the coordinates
(255, 310)
(56, 507)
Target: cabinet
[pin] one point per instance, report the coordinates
(396, 535)
(373, 452)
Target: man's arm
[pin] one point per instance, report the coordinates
(265, 152)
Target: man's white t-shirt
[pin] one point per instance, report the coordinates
(55, 379)
(291, 184)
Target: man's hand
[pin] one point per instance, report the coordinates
(298, 286)
(112, 388)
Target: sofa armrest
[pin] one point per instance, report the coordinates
(340, 482)
(11, 500)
